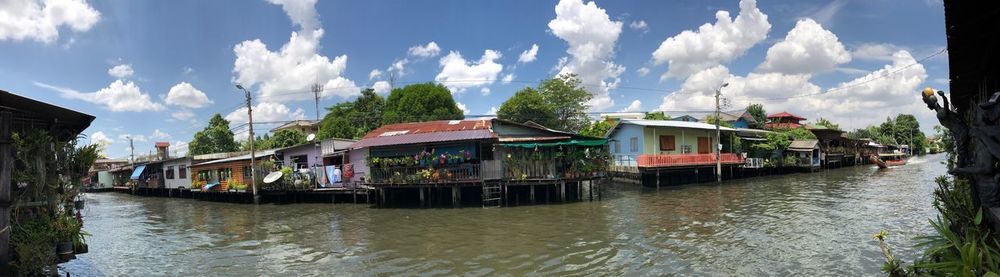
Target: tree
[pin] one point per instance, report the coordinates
(353, 119)
(656, 116)
(597, 129)
(286, 138)
(215, 138)
(827, 123)
(420, 102)
(758, 113)
(711, 119)
(527, 104)
(568, 100)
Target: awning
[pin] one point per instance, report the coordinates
(753, 139)
(577, 142)
(138, 171)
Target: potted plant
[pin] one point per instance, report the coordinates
(443, 159)
(66, 229)
(466, 155)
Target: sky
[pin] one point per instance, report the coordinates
(158, 70)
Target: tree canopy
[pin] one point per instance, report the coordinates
(420, 102)
(656, 116)
(903, 129)
(215, 138)
(597, 129)
(827, 123)
(353, 119)
(527, 104)
(568, 100)
(759, 114)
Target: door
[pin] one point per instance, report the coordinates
(704, 145)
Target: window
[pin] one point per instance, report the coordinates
(633, 144)
(225, 174)
(667, 143)
(300, 161)
(170, 172)
(618, 146)
(246, 172)
(182, 172)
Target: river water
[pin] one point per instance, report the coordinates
(797, 224)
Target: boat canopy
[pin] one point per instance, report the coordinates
(138, 171)
(576, 142)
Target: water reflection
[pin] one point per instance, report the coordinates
(794, 224)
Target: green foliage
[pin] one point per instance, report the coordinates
(286, 138)
(596, 129)
(215, 138)
(903, 129)
(32, 240)
(827, 124)
(780, 139)
(353, 119)
(568, 100)
(656, 116)
(711, 119)
(420, 102)
(527, 104)
(758, 113)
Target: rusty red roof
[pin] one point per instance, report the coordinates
(784, 115)
(425, 132)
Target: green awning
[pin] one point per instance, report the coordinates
(576, 142)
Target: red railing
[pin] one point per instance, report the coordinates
(666, 160)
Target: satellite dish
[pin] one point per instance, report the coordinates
(273, 176)
(310, 137)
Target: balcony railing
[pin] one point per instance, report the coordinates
(453, 173)
(668, 160)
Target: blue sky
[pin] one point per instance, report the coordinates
(157, 70)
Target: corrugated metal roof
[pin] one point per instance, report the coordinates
(424, 132)
(672, 123)
(424, 138)
(520, 139)
(258, 155)
(803, 145)
(785, 114)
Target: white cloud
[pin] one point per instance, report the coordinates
(634, 107)
(508, 78)
(640, 26)
(399, 66)
(287, 74)
(183, 115)
(135, 138)
(643, 71)
(157, 134)
(100, 138)
(265, 112)
(180, 148)
(117, 97)
(493, 111)
(591, 36)
(807, 49)
(465, 110)
(713, 44)
(185, 95)
(374, 74)
(458, 74)
(528, 55)
(121, 71)
(425, 51)
(875, 51)
(187, 70)
(40, 20)
(382, 87)
(485, 91)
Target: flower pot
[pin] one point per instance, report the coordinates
(64, 250)
(81, 249)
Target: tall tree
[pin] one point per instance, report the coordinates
(339, 122)
(527, 104)
(759, 114)
(597, 129)
(420, 102)
(368, 109)
(215, 138)
(568, 100)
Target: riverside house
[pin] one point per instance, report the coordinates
(499, 159)
(217, 175)
(783, 120)
(645, 148)
(323, 159)
(807, 154)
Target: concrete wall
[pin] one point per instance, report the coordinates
(311, 151)
(105, 179)
(356, 158)
(177, 182)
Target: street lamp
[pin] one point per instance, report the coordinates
(253, 160)
(718, 134)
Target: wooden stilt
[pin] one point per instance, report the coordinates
(562, 192)
(454, 196)
(422, 202)
(532, 194)
(657, 178)
(590, 189)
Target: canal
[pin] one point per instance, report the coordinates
(797, 224)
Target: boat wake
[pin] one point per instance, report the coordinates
(916, 160)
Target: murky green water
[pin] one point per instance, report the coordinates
(800, 224)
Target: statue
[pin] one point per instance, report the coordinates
(986, 130)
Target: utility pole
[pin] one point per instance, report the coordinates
(253, 160)
(317, 88)
(131, 149)
(718, 134)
